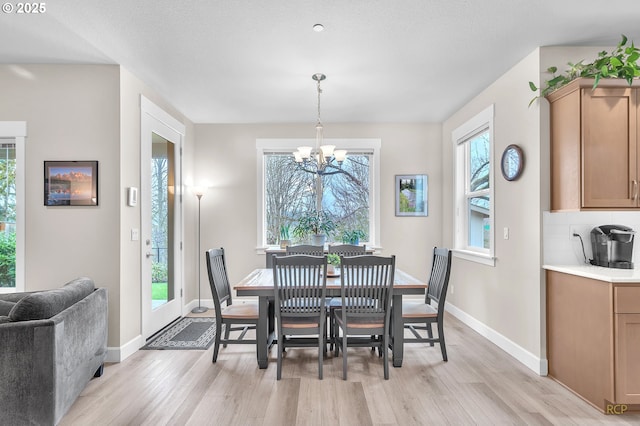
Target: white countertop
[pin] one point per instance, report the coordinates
(611, 275)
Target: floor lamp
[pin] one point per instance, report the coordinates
(199, 191)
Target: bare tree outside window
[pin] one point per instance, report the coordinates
(479, 195)
(291, 192)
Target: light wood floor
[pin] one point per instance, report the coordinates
(479, 385)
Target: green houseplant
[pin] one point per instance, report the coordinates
(284, 235)
(317, 224)
(333, 262)
(621, 62)
(353, 236)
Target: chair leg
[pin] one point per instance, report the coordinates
(344, 356)
(280, 351)
(430, 333)
(322, 347)
(216, 345)
(227, 329)
(443, 347)
(385, 361)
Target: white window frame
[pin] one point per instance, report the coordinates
(16, 132)
(460, 136)
(290, 145)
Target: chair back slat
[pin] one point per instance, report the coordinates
(439, 278)
(367, 285)
(348, 250)
(305, 249)
(300, 284)
(218, 279)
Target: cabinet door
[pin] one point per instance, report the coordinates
(627, 356)
(609, 148)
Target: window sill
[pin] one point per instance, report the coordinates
(484, 259)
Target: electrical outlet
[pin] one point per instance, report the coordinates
(451, 286)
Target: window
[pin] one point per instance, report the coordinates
(286, 192)
(12, 140)
(474, 230)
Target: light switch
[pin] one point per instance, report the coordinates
(505, 233)
(135, 234)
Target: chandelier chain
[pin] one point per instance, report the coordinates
(319, 92)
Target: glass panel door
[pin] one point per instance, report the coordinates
(162, 228)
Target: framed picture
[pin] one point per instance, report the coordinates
(411, 195)
(70, 183)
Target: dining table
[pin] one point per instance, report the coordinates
(259, 283)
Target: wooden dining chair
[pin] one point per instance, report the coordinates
(227, 313)
(421, 315)
(334, 303)
(366, 291)
(300, 290)
(305, 249)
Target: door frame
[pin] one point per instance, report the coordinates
(155, 120)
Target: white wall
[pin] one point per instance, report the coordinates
(130, 292)
(226, 157)
(72, 114)
(504, 302)
(86, 112)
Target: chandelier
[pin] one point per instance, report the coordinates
(324, 159)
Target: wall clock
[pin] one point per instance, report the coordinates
(512, 162)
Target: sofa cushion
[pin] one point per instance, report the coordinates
(48, 303)
(5, 307)
(4, 319)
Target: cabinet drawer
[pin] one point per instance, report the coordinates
(627, 300)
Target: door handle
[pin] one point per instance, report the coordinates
(635, 190)
(149, 255)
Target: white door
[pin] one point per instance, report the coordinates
(161, 222)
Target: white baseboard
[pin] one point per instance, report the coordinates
(538, 365)
(119, 354)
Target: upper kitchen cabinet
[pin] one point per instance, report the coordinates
(594, 145)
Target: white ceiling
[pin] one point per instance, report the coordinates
(251, 61)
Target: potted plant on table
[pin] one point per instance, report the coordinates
(333, 262)
(317, 224)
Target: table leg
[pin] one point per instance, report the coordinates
(398, 331)
(264, 332)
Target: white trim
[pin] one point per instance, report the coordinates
(148, 107)
(474, 256)
(17, 130)
(291, 144)
(484, 119)
(120, 353)
(538, 365)
(153, 119)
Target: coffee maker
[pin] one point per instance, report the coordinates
(612, 246)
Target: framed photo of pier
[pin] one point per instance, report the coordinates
(70, 183)
(412, 195)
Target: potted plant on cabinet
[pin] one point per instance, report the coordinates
(622, 62)
(317, 224)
